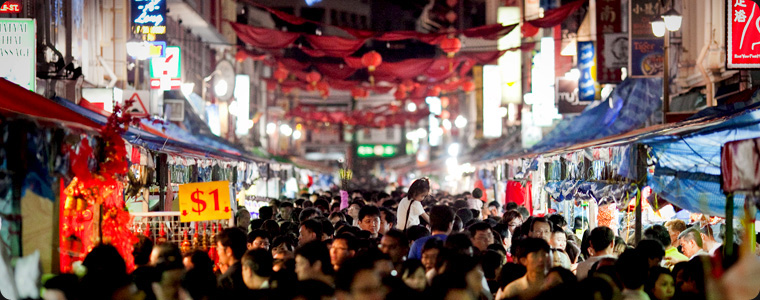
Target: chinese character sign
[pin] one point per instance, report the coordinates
(608, 22)
(587, 66)
(743, 34)
(646, 54)
(204, 201)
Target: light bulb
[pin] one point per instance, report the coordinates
(220, 88)
(658, 28)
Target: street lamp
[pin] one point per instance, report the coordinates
(670, 20)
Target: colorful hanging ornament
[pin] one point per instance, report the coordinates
(281, 74)
(451, 45)
(313, 78)
(371, 60)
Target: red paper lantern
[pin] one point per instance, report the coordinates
(399, 94)
(313, 77)
(434, 91)
(371, 60)
(281, 74)
(359, 92)
(468, 86)
(451, 3)
(451, 46)
(451, 16)
(445, 115)
(408, 85)
(444, 102)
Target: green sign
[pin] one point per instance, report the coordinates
(17, 52)
(376, 150)
(166, 66)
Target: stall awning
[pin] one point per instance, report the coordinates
(15, 99)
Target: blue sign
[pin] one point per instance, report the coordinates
(647, 57)
(148, 17)
(587, 66)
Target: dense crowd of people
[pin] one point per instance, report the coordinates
(418, 246)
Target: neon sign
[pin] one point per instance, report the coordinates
(148, 17)
(10, 8)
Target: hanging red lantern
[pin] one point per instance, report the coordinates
(451, 3)
(323, 88)
(445, 115)
(281, 74)
(444, 102)
(468, 86)
(434, 91)
(359, 93)
(451, 45)
(371, 60)
(399, 94)
(313, 77)
(451, 16)
(408, 85)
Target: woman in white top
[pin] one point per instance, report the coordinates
(410, 209)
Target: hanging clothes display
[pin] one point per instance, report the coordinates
(521, 194)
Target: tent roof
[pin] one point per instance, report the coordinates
(15, 99)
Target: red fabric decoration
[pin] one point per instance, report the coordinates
(468, 86)
(489, 32)
(243, 54)
(399, 94)
(15, 99)
(359, 93)
(451, 46)
(336, 71)
(264, 38)
(371, 60)
(556, 16)
(434, 91)
(528, 30)
(331, 46)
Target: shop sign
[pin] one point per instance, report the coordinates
(149, 18)
(365, 151)
(608, 23)
(587, 66)
(614, 52)
(204, 201)
(165, 71)
(645, 50)
(10, 7)
(567, 96)
(743, 46)
(18, 51)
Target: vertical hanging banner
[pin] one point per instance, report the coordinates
(587, 66)
(608, 27)
(18, 52)
(646, 52)
(743, 36)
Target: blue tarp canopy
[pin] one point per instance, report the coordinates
(687, 160)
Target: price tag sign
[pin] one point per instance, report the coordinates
(204, 201)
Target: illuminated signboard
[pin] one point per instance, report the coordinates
(148, 17)
(743, 26)
(165, 71)
(376, 151)
(10, 7)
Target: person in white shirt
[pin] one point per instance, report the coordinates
(708, 239)
(691, 243)
(475, 202)
(410, 208)
(602, 241)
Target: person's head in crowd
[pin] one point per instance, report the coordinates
(523, 212)
(313, 262)
(658, 233)
(419, 189)
(387, 220)
(286, 209)
(335, 207)
(475, 215)
(310, 230)
(299, 202)
(258, 239)
(511, 205)
(510, 272)
(675, 227)
(141, 250)
(413, 274)
(459, 243)
(461, 276)
(481, 235)
(243, 219)
(494, 208)
(660, 284)
(197, 259)
(459, 204)
(256, 268)
(231, 245)
(309, 213)
(266, 213)
(560, 258)
(283, 244)
(395, 244)
(652, 250)
(541, 228)
(477, 193)
(353, 209)
(441, 219)
(255, 224)
(707, 235)
(557, 276)
(275, 204)
(690, 279)
(458, 225)
(573, 252)
(601, 241)
(322, 205)
(558, 221)
(430, 253)
(369, 219)
(359, 281)
(336, 217)
(343, 247)
(632, 268)
(513, 219)
(558, 239)
(107, 272)
(64, 286)
(491, 262)
(620, 246)
(197, 284)
(465, 214)
(271, 227)
(691, 242)
(416, 232)
(328, 230)
(391, 204)
(162, 253)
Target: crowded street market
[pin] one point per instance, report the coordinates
(380, 149)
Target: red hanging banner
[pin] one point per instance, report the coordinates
(609, 26)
